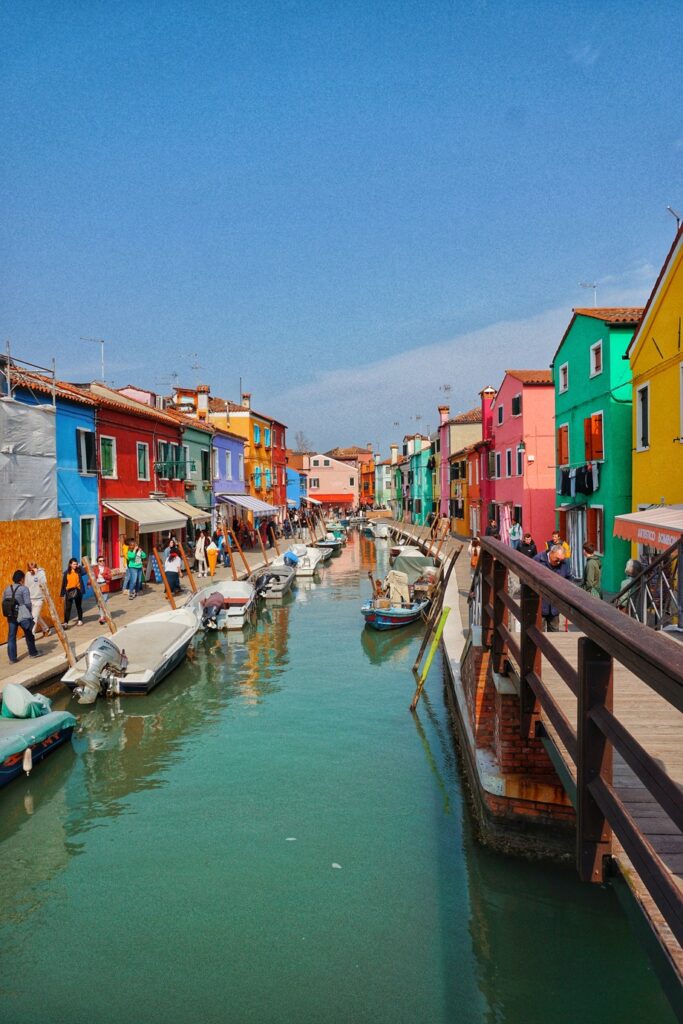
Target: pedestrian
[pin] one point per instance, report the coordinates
(492, 528)
(528, 546)
(36, 579)
(17, 609)
(474, 551)
(173, 567)
(632, 569)
(272, 534)
(557, 539)
(556, 560)
(136, 557)
(103, 580)
(592, 571)
(127, 546)
(200, 554)
(72, 590)
(515, 535)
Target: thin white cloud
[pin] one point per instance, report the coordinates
(585, 55)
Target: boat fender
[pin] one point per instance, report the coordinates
(28, 761)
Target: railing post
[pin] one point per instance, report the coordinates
(500, 616)
(530, 657)
(486, 563)
(593, 832)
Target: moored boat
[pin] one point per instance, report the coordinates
(304, 559)
(385, 616)
(274, 581)
(29, 731)
(229, 604)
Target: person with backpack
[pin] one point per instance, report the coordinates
(72, 590)
(16, 607)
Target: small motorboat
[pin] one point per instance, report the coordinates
(330, 541)
(29, 731)
(230, 604)
(380, 531)
(304, 559)
(136, 658)
(395, 603)
(274, 581)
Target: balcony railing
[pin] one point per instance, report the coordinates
(175, 469)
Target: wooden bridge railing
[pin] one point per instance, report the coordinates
(609, 636)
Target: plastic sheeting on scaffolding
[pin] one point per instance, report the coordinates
(28, 461)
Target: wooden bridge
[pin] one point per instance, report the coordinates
(606, 697)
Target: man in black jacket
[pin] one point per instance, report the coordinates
(528, 547)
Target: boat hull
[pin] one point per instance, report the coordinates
(392, 618)
(58, 733)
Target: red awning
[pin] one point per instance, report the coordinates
(335, 499)
(657, 527)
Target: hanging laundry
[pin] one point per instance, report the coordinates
(564, 483)
(595, 474)
(572, 483)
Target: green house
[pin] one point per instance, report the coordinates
(592, 381)
(421, 498)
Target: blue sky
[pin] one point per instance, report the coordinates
(348, 205)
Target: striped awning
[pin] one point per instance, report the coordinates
(313, 501)
(657, 527)
(248, 502)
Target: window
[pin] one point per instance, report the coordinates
(469, 472)
(316, 462)
(267, 479)
(563, 445)
(596, 359)
(241, 466)
(228, 465)
(205, 466)
(520, 461)
(564, 378)
(143, 461)
(85, 448)
(88, 537)
(492, 465)
(326, 462)
(498, 466)
(108, 456)
(257, 434)
(267, 437)
(352, 480)
(162, 463)
(215, 464)
(593, 437)
(508, 462)
(500, 414)
(257, 478)
(643, 417)
(177, 467)
(594, 527)
(314, 483)
(517, 405)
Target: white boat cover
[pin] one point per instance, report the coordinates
(397, 585)
(150, 515)
(412, 565)
(248, 502)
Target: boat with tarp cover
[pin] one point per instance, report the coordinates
(29, 731)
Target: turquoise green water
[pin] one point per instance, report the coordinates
(178, 864)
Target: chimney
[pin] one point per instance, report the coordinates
(444, 413)
(369, 446)
(487, 397)
(246, 399)
(394, 454)
(203, 401)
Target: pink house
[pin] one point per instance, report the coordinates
(522, 454)
(332, 482)
(444, 450)
(487, 482)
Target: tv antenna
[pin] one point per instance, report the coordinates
(594, 286)
(100, 342)
(446, 388)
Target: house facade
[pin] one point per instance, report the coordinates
(420, 499)
(522, 455)
(279, 465)
(592, 382)
(332, 482)
(296, 487)
(442, 494)
(459, 508)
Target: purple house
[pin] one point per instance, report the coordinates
(227, 474)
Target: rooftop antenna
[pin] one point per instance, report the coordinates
(100, 342)
(446, 388)
(673, 213)
(594, 286)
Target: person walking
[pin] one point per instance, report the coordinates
(17, 609)
(474, 551)
(556, 560)
(127, 547)
(492, 528)
(592, 571)
(136, 557)
(515, 535)
(103, 580)
(528, 546)
(72, 590)
(200, 554)
(34, 580)
(632, 569)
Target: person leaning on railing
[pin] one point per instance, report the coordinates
(554, 559)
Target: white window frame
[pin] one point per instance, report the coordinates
(114, 475)
(215, 464)
(81, 454)
(138, 446)
(639, 426)
(498, 465)
(508, 462)
(520, 461)
(228, 464)
(597, 347)
(500, 414)
(92, 554)
(563, 385)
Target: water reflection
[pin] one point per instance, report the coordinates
(397, 647)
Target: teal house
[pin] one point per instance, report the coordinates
(421, 462)
(592, 380)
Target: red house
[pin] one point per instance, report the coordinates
(142, 465)
(278, 440)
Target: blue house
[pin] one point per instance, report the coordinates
(77, 479)
(296, 487)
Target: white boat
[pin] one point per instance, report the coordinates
(136, 658)
(274, 581)
(230, 604)
(380, 531)
(307, 558)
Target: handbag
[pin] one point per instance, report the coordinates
(72, 593)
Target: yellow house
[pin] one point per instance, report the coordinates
(656, 356)
(256, 430)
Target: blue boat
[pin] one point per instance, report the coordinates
(26, 740)
(392, 617)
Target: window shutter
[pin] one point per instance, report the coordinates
(588, 438)
(492, 465)
(563, 446)
(591, 527)
(598, 444)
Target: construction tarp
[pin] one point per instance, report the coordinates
(412, 565)
(657, 527)
(28, 461)
(197, 515)
(152, 516)
(261, 508)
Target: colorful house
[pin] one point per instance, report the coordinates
(474, 489)
(592, 380)
(366, 470)
(420, 500)
(331, 482)
(462, 430)
(442, 451)
(523, 453)
(487, 465)
(279, 465)
(459, 509)
(656, 358)
(296, 487)
(385, 485)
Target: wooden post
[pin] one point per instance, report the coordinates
(593, 832)
(263, 549)
(187, 568)
(101, 603)
(531, 659)
(500, 616)
(164, 577)
(230, 551)
(57, 621)
(436, 609)
(237, 545)
(486, 563)
(277, 546)
(443, 537)
(430, 657)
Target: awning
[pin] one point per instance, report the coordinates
(151, 515)
(291, 503)
(657, 527)
(333, 499)
(246, 501)
(197, 515)
(313, 501)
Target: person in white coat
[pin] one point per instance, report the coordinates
(35, 578)
(200, 554)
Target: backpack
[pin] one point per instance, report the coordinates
(10, 605)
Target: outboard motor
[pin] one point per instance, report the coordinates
(103, 663)
(212, 606)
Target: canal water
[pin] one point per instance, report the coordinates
(270, 836)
